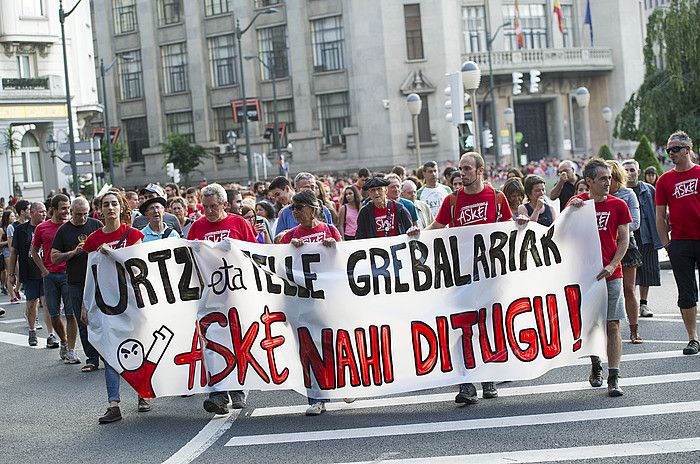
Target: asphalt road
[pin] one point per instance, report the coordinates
(49, 411)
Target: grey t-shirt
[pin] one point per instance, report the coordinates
(170, 220)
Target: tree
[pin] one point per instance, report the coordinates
(184, 155)
(119, 154)
(669, 98)
(645, 156)
(12, 144)
(605, 153)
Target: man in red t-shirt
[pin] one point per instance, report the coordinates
(55, 280)
(382, 217)
(215, 226)
(613, 218)
(475, 203)
(677, 191)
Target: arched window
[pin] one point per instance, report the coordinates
(31, 162)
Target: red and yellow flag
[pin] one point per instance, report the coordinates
(560, 15)
(518, 29)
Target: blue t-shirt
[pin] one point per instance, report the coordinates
(408, 204)
(149, 235)
(286, 220)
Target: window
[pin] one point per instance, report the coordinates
(32, 8)
(285, 115)
(181, 123)
(334, 115)
(174, 59)
(424, 121)
(169, 12)
(216, 7)
(266, 3)
(273, 50)
(136, 137)
(568, 34)
(328, 41)
(414, 35)
(223, 120)
(473, 28)
(24, 67)
(124, 16)
(130, 75)
(222, 60)
(533, 23)
(31, 160)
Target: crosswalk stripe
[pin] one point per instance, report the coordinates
(20, 340)
(617, 450)
(398, 401)
(469, 424)
(12, 321)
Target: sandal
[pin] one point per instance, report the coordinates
(635, 339)
(88, 368)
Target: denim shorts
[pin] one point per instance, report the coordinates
(56, 289)
(616, 304)
(34, 289)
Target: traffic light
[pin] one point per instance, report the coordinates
(517, 83)
(455, 102)
(534, 81)
(486, 138)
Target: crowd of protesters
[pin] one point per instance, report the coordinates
(45, 245)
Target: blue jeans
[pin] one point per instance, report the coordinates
(314, 400)
(75, 295)
(56, 289)
(112, 382)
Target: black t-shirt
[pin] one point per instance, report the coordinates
(567, 191)
(67, 238)
(22, 243)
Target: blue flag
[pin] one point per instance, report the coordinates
(588, 19)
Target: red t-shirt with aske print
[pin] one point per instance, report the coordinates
(315, 234)
(472, 209)
(98, 238)
(43, 240)
(609, 214)
(679, 190)
(385, 221)
(232, 226)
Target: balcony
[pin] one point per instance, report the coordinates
(35, 88)
(545, 59)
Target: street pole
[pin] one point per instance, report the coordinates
(74, 167)
(475, 120)
(276, 120)
(108, 135)
(416, 139)
(492, 90)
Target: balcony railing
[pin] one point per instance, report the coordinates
(22, 83)
(545, 59)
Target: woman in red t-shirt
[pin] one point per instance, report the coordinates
(305, 209)
(116, 233)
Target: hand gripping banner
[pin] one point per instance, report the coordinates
(363, 318)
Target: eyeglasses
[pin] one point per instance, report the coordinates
(675, 149)
(299, 207)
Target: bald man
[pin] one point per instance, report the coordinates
(565, 187)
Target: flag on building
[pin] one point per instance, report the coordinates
(518, 29)
(560, 15)
(588, 19)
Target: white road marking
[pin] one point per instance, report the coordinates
(616, 450)
(398, 401)
(469, 424)
(664, 342)
(204, 439)
(20, 340)
(12, 321)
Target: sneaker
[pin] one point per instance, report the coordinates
(644, 311)
(467, 394)
(32, 338)
(316, 409)
(614, 389)
(217, 404)
(692, 348)
(596, 377)
(15, 300)
(488, 390)
(72, 357)
(4, 291)
(38, 325)
(144, 406)
(349, 400)
(2, 311)
(63, 352)
(113, 414)
(237, 399)
(52, 341)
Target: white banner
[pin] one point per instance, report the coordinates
(364, 318)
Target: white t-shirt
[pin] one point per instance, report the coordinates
(433, 196)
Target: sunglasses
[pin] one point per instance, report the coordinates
(299, 207)
(675, 149)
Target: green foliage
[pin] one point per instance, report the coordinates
(605, 153)
(645, 156)
(119, 154)
(184, 155)
(669, 98)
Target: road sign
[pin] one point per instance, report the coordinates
(84, 152)
(83, 169)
